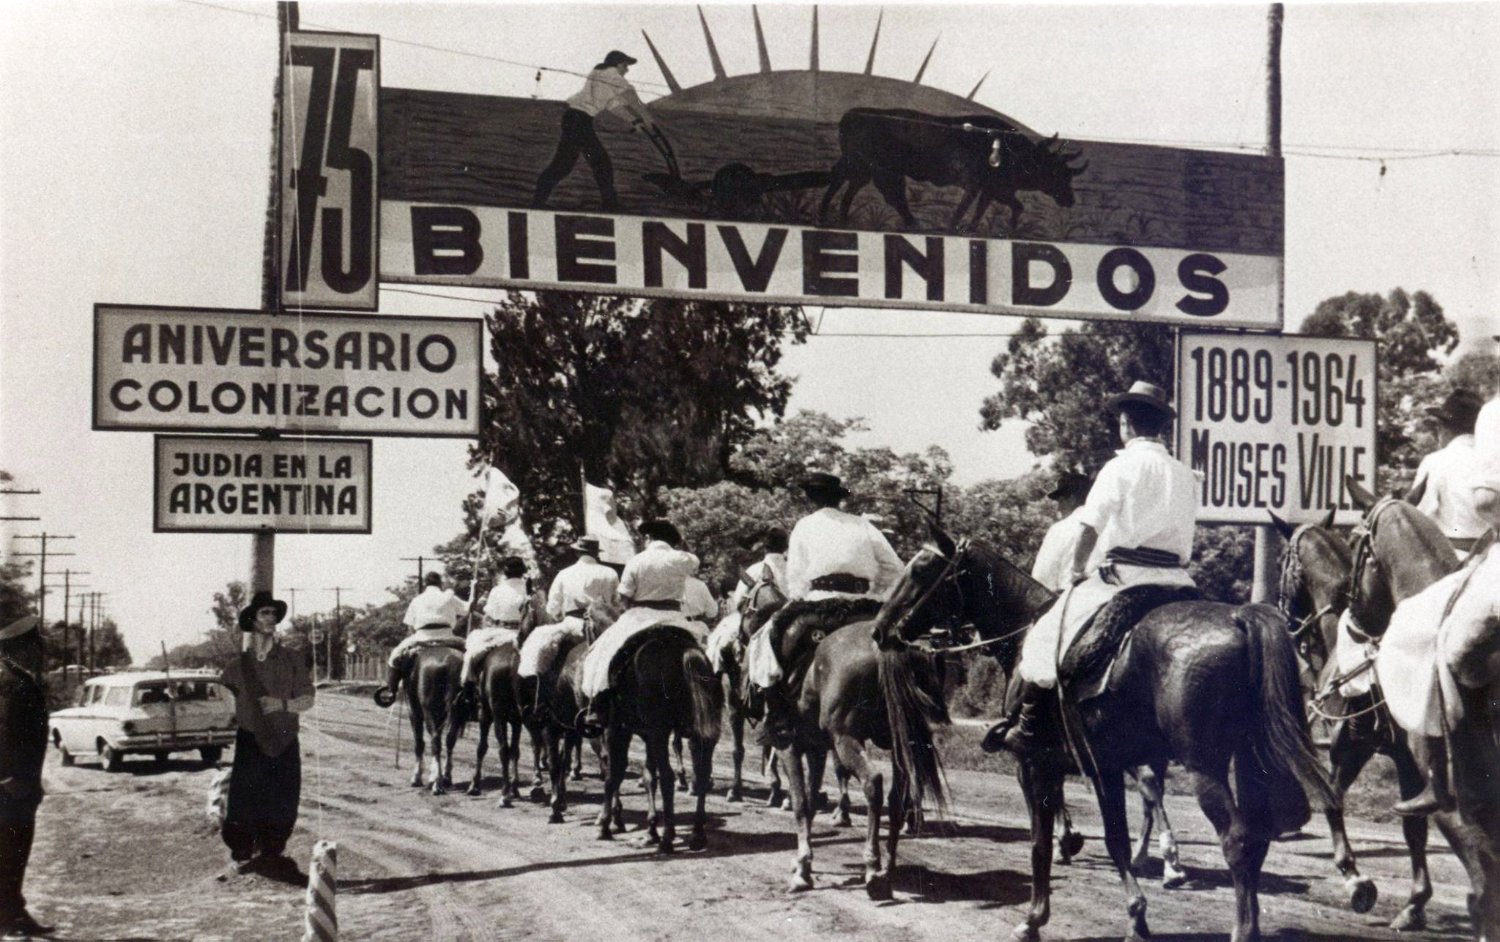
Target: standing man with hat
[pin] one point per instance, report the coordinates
(23, 749)
(605, 89)
(1140, 517)
(832, 552)
(1054, 558)
(1442, 489)
(271, 687)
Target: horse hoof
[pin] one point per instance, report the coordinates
(734, 796)
(473, 791)
(505, 802)
(775, 799)
(1070, 844)
(416, 783)
(799, 884)
(575, 777)
(664, 846)
(842, 820)
(698, 841)
(555, 818)
(1410, 919)
(538, 794)
(1026, 932)
(1362, 900)
(604, 834)
(1172, 878)
(878, 887)
(786, 803)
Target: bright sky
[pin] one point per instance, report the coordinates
(134, 148)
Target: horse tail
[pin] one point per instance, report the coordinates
(705, 693)
(1281, 756)
(910, 712)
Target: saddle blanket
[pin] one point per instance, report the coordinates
(479, 644)
(542, 645)
(1054, 632)
(818, 617)
(1421, 647)
(721, 641)
(1348, 654)
(422, 638)
(1089, 659)
(602, 652)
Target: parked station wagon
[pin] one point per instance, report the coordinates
(146, 712)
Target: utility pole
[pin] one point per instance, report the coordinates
(338, 623)
(41, 602)
(1267, 538)
(8, 490)
(419, 560)
(68, 587)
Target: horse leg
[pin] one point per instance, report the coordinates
(1109, 787)
(479, 751)
(1411, 780)
(703, 764)
(841, 811)
(771, 761)
(435, 753)
(849, 754)
(450, 739)
(617, 754)
(1172, 874)
(1141, 859)
(417, 726)
(791, 765)
(817, 767)
(542, 738)
(737, 736)
(510, 766)
(577, 773)
(650, 773)
(557, 744)
(668, 785)
(1070, 841)
(1041, 785)
(897, 811)
(1348, 755)
(1243, 850)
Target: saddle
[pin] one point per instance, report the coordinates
(796, 632)
(1085, 667)
(647, 636)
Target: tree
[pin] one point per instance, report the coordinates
(1414, 336)
(15, 598)
(639, 395)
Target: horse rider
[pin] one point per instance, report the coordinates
(1442, 488)
(432, 616)
(1054, 558)
(586, 584)
(1140, 518)
(771, 566)
(698, 602)
(652, 588)
(23, 750)
(508, 602)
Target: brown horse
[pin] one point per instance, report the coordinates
(762, 601)
(1400, 552)
(666, 686)
(1203, 683)
(500, 705)
(432, 688)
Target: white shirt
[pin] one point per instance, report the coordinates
(1447, 493)
(581, 584)
(829, 541)
(657, 573)
(1144, 499)
(435, 606)
(607, 90)
(1486, 471)
(776, 562)
(698, 602)
(1054, 558)
(506, 600)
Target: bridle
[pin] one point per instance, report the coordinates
(951, 566)
(1364, 556)
(1302, 629)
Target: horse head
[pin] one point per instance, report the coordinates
(762, 601)
(1398, 552)
(1313, 587)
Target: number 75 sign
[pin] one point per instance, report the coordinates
(1276, 423)
(328, 166)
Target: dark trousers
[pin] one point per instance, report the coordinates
(263, 795)
(17, 827)
(578, 137)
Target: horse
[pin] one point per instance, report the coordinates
(665, 686)
(741, 705)
(432, 689)
(1400, 552)
(1200, 682)
(500, 705)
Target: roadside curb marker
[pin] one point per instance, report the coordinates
(320, 922)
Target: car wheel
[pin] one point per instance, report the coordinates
(111, 758)
(211, 754)
(67, 757)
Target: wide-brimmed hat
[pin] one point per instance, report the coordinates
(1145, 394)
(257, 602)
(586, 544)
(1070, 483)
(821, 482)
(18, 627)
(615, 57)
(1460, 409)
(663, 530)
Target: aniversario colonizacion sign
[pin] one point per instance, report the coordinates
(1276, 423)
(191, 369)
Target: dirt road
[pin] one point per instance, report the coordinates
(132, 856)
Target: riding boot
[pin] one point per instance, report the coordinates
(1017, 732)
(1436, 796)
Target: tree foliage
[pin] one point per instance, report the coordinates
(638, 395)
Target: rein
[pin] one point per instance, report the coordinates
(950, 570)
(986, 642)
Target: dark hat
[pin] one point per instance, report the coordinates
(661, 530)
(513, 566)
(1069, 484)
(1145, 394)
(18, 627)
(773, 540)
(1459, 410)
(615, 57)
(586, 544)
(257, 602)
(821, 482)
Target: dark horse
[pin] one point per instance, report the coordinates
(432, 687)
(1314, 590)
(1400, 552)
(500, 705)
(1203, 683)
(558, 703)
(665, 686)
(836, 688)
(762, 601)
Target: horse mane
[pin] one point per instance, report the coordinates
(1015, 598)
(1411, 547)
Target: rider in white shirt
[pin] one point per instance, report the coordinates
(1054, 558)
(503, 611)
(432, 616)
(833, 553)
(1443, 486)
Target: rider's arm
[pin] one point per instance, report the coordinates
(1087, 537)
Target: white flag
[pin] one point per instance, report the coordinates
(602, 522)
(502, 499)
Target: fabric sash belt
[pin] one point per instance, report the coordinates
(576, 613)
(841, 582)
(1144, 556)
(436, 626)
(666, 605)
(512, 624)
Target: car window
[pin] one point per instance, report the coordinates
(96, 693)
(117, 696)
(156, 693)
